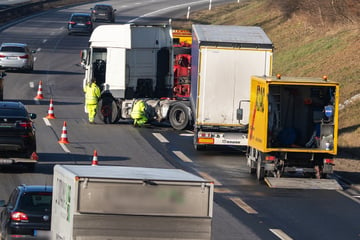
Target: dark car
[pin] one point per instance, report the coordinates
(103, 12)
(16, 56)
(17, 135)
(27, 214)
(80, 23)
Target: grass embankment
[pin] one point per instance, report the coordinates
(312, 39)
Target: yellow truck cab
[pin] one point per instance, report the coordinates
(293, 126)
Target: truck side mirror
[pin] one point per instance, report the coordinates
(239, 114)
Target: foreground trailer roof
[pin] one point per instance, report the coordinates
(133, 173)
(224, 35)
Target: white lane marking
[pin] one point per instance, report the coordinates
(349, 196)
(31, 84)
(38, 50)
(280, 234)
(182, 156)
(44, 40)
(64, 147)
(160, 137)
(210, 178)
(166, 9)
(244, 206)
(186, 134)
(47, 122)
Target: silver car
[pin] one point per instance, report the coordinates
(16, 56)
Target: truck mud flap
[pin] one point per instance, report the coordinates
(303, 183)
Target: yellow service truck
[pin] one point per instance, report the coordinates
(293, 128)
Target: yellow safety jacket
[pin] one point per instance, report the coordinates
(92, 93)
(138, 110)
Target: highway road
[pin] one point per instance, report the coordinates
(244, 208)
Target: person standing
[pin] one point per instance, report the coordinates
(92, 95)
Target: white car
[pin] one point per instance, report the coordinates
(16, 56)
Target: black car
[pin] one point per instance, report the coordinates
(80, 23)
(103, 12)
(27, 214)
(17, 135)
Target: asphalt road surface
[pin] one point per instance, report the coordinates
(243, 207)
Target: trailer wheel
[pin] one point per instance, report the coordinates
(108, 110)
(260, 171)
(179, 117)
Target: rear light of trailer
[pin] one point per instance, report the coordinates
(328, 161)
(19, 216)
(206, 140)
(270, 158)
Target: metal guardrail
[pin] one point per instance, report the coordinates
(26, 8)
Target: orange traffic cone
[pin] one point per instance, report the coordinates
(95, 159)
(63, 138)
(39, 92)
(51, 114)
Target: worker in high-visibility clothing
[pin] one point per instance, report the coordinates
(92, 95)
(138, 113)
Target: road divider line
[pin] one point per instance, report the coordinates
(64, 147)
(182, 156)
(243, 205)
(210, 178)
(47, 122)
(160, 137)
(352, 197)
(186, 134)
(280, 234)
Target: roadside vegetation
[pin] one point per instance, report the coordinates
(312, 38)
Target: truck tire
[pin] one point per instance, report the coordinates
(108, 111)
(260, 171)
(179, 117)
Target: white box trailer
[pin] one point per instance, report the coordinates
(223, 60)
(123, 203)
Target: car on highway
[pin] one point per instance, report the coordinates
(80, 23)
(103, 12)
(27, 213)
(16, 56)
(17, 135)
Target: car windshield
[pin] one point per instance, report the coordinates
(36, 201)
(13, 112)
(12, 49)
(82, 19)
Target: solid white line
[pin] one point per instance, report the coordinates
(182, 156)
(280, 234)
(166, 9)
(186, 134)
(349, 196)
(160, 137)
(244, 206)
(47, 122)
(64, 147)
